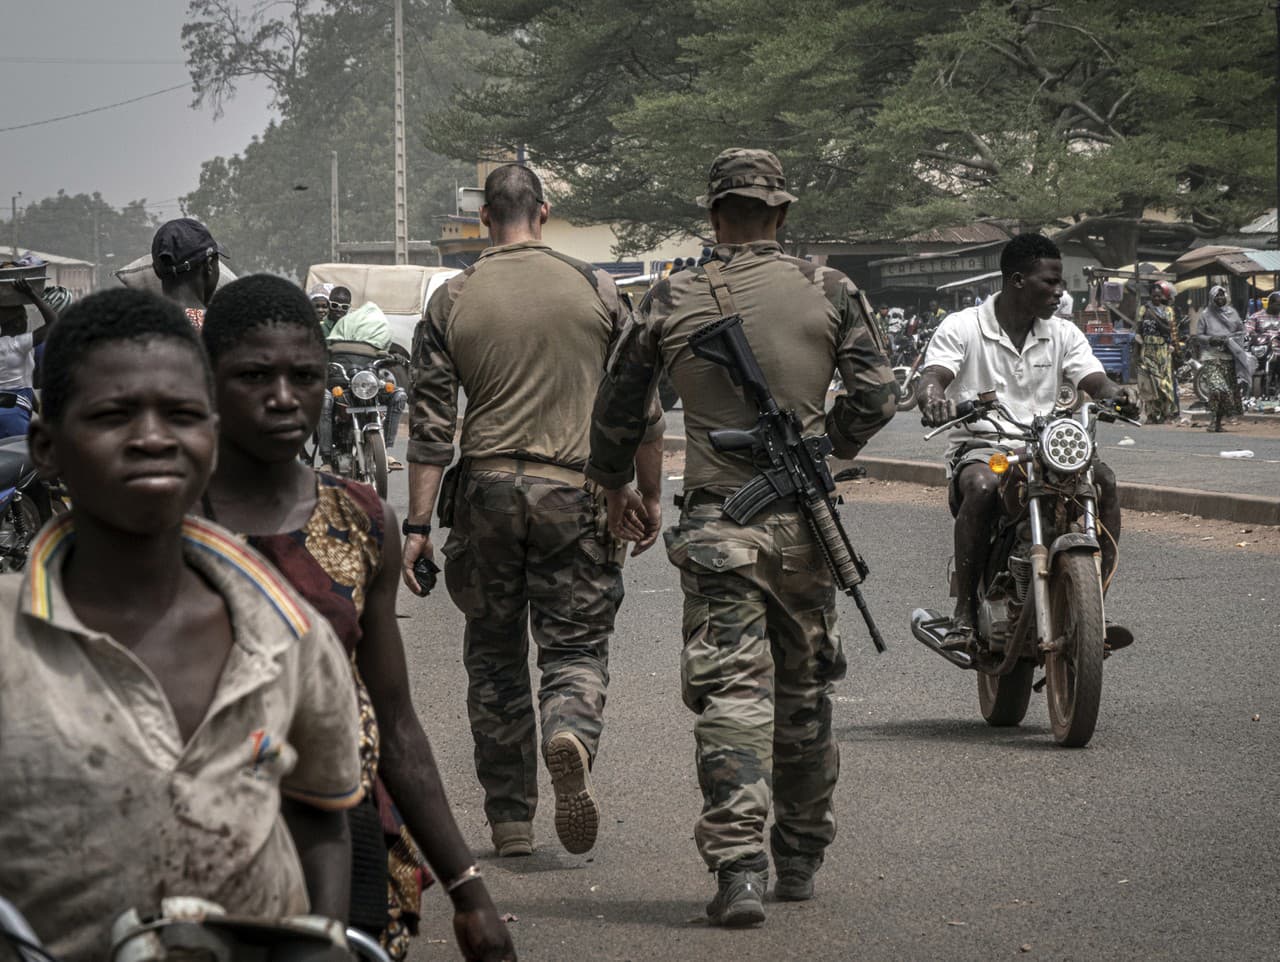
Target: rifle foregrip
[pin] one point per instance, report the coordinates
(826, 527)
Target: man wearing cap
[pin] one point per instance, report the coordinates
(761, 652)
(185, 257)
(526, 332)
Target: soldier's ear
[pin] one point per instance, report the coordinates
(782, 215)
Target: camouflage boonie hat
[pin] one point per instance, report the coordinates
(749, 172)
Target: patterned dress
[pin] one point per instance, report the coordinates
(1155, 364)
(331, 562)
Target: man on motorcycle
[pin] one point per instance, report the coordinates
(1013, 344)
(1267, 319)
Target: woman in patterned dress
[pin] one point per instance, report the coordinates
(1155, 361)
(1220, 333)
(338, 545)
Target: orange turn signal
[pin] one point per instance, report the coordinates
(998, 463)
(337, 392)
(391, 387)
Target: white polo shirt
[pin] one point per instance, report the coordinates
(972, 346)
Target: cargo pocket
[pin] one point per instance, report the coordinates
(831, 663)
(457, 576)
(807, 581)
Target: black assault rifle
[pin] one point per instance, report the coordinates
(797, 465)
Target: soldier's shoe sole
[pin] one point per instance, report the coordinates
(743, 913)
(577, 811)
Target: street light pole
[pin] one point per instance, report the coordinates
(333, 206)
(1276, 6)
(13, 221)
(401, 192)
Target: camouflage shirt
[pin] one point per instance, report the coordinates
(526, 334)
(803, 322)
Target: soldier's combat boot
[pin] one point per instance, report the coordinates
(795, 876)
(577, 811)
(739, 901)
(512, 838)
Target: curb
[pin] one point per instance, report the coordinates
(1216, 505)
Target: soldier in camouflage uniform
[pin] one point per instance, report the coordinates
(526, 332)
(761, 651)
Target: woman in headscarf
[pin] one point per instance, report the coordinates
(1155, 364)
(1220, 334)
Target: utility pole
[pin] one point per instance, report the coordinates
(1277, 95)
(402, 200)
(97, 252)
(333, 206)
(13, 221)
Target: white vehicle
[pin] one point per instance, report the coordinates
(400, 290)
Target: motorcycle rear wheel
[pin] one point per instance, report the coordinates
(375, 462)
(1003, 699)
(1073, 671)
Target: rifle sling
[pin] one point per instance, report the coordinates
(719, 289)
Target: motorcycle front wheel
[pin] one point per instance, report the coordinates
(375, 462)
(1003, 699)
(1073, 668)
(906, 388)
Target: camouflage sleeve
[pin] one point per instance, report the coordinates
(433, 410)
(624, 410)
(869, 399)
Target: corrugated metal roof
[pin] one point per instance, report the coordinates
(1268, 261)
(980, 233)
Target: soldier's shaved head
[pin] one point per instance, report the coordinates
(513, 195)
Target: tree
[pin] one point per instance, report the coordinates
(329, 66)
(888, 116)
(64, 224)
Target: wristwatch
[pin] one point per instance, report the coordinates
(407, 529)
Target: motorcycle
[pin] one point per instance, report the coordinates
(1040, 599)
(194, 928)
(362, 384)
(1264, 345)
(25, 504)
(908, 376)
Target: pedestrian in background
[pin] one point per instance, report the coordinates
(186, 258)
(1156, 325)
(1220, 334)
(761, 654)
(18, 347)
(526, 332)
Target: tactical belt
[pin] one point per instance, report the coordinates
(542, 470)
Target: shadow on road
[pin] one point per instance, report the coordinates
(1035, 737)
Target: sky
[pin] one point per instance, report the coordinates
(151, 149)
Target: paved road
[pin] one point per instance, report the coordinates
(1180, 457)
(957, 842)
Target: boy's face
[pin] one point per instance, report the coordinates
(137, 439)
(270, 391)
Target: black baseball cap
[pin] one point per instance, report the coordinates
(179, 245)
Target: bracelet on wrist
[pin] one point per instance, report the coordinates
(470, 874)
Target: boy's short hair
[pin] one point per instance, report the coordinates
(108, 317)
(252, 302)
(1019, 256)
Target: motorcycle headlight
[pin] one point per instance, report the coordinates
(1066, 446)
(1260, 350)
(364, 385)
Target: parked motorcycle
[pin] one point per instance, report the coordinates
(1264, 345)
(1040, 600)
(25, 504)
(362, 384)
(908, 376)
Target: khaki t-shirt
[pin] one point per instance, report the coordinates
(526, 335)
(802, 321)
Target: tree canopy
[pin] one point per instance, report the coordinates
(64, 224)
(329, 66)
(889, 116)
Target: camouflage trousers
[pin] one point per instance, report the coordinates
(527, 555)
(760, 657)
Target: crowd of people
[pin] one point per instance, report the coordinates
(230, 713)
